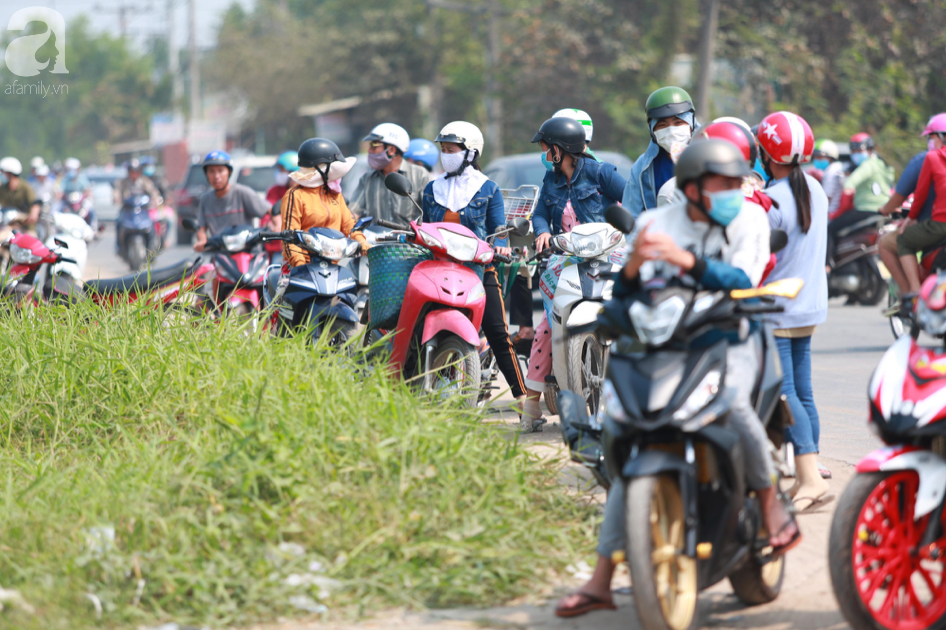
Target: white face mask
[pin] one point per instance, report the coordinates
(452, 161)
(673, 139)
(282, 178)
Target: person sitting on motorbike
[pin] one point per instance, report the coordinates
(315, 202)
(225, 204)
(830, 170)
(915, 236)
(463, 194)
(865, 191)
(137, 184)
(35, 163)
(43, 185)
(387, 144)
(423, 153)
(577, 191)
(906, 186)
(17, 193)
(713, 238)
(672, 119)
(73, 179)
(149, 169)
(286, 165)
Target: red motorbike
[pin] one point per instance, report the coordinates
(888, 537)
(239, 267)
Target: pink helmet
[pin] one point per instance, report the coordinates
(937, 124)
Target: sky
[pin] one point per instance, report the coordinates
(145, 17)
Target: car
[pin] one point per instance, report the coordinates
(256, 171)
(526, 169)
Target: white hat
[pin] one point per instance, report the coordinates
(37, 161)
(72, 163)
(42, 170)
(392, 134)
(310, 177)
(581, 116)
(461, 132)
(11, 165)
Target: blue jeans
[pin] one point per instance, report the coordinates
(796, 364)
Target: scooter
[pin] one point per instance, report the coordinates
(139, 237)
(239, 269)
(72, 230)
(79, 204)
(320, 295)
(573, 288)
(691, 520)
(887, 546)
(855, 272)
(436, 334)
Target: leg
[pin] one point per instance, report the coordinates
(914, 239)
(494, 325)
(801, 363)
(520, 304)
(888, 254)
(540, 366)
(799, 434)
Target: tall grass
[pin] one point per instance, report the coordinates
(206, 446)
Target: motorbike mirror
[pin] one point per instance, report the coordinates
(398, 184)
(520, 227)
(787, 288)
(778, 239)
(620, 218)
(61, 243)
(362, 223)
(189, 224)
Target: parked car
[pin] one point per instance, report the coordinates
(512, 171)
(258, 172)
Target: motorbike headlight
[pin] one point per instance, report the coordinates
(701, 396)
(430, 241)
(236, 242)
(612, 404)
(352, 248)
(588, 245)
(655, 325)
(459, 247)
(23, 256)
(312, 243)
(563, 242)
(332, 248)
(476, 293)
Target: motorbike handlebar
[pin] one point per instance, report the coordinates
(543, 254)
(276, 236)
(759, 309)
(501, 258)
(394, 238)
(389, 224)
(63, 259)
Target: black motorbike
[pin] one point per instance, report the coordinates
(137, 236)
(662, 428)
(855, 272)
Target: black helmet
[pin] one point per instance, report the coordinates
(315, 151)
(567, 133)
(710, 157)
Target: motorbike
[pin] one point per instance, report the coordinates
(436, 335)
(72, 230)
(79, 204)
(887, 542)
(139, 236)
(573, 288)
(239, 265)
(855, 272)
(322, 294)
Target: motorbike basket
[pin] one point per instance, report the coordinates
(391, 265)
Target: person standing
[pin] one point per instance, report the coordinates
(801, 210)
(387, 144)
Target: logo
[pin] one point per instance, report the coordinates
(771, 132)
(21, 53)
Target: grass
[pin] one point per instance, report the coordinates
(190, 471)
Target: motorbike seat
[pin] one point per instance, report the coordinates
(142, 281)
(872, 223)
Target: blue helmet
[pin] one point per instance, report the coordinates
(424, 151)
(289, 160)
(217, 158)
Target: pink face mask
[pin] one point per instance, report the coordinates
(335, 186)
(931, 144)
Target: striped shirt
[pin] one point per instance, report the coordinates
(372, 199)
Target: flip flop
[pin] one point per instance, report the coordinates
(781, 550)
(824, 471)
(535, 427)
(586, 605)
(816, 502)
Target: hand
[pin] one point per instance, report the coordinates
(364, 246)
(503, 251)
(199, 246)
(542, 242)
(906, 223)
(659, 246)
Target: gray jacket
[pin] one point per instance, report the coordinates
(372, 199)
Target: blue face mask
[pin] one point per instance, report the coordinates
(758, 168)
(725, 205)
(545, 161)
(859, 157)
(821, 164)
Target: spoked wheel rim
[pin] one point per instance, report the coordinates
(592, 373)
(899, 587)
(674, 572)
(447, 376)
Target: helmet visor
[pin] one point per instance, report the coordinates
(669, 110)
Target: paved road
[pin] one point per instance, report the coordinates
(104, 263)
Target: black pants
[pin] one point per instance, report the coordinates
(520, 302)
(494, 327)
(848, 218)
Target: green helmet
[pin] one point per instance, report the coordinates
(668, 101)
(826, 148)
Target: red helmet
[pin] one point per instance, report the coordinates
(786, 138)
(733, 133)
(861, 142)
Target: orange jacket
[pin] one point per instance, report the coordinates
(305, 208)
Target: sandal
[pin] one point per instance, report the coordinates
(531, 426)
(824, 471)
(586, 604)
(815, 502)
(781, 550)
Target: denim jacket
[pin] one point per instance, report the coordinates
(594, 186)
(640, 193)
(484, 215)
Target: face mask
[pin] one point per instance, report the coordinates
(859, 157)
(282, 178)
(673, 139)
(545, 161)
(452, 162)
(149, 171)
(378, 161)
(931, 144)
(821, 164)
(71, 172)
(725, 205)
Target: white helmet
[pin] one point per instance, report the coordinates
(581, 116)
(460, 132)
(392, 134)
(42, 170)
(72, 164)
(11, 165)
(37, 161)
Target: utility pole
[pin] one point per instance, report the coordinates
(174, 66)
(122, 11)
(706, 54)
(194, 62)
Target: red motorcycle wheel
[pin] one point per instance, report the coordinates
(880, 577)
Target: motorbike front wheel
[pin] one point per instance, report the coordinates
(664, 578)
(586, 369)
(137, 252)
(454, 369)
(872, 283)
(880, 577)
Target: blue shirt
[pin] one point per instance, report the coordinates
(663, 169)
(483, 215)
(593, 187)
(907, 185)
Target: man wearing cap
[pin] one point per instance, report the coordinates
(387, 144)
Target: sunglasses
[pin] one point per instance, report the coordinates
(376, 145)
